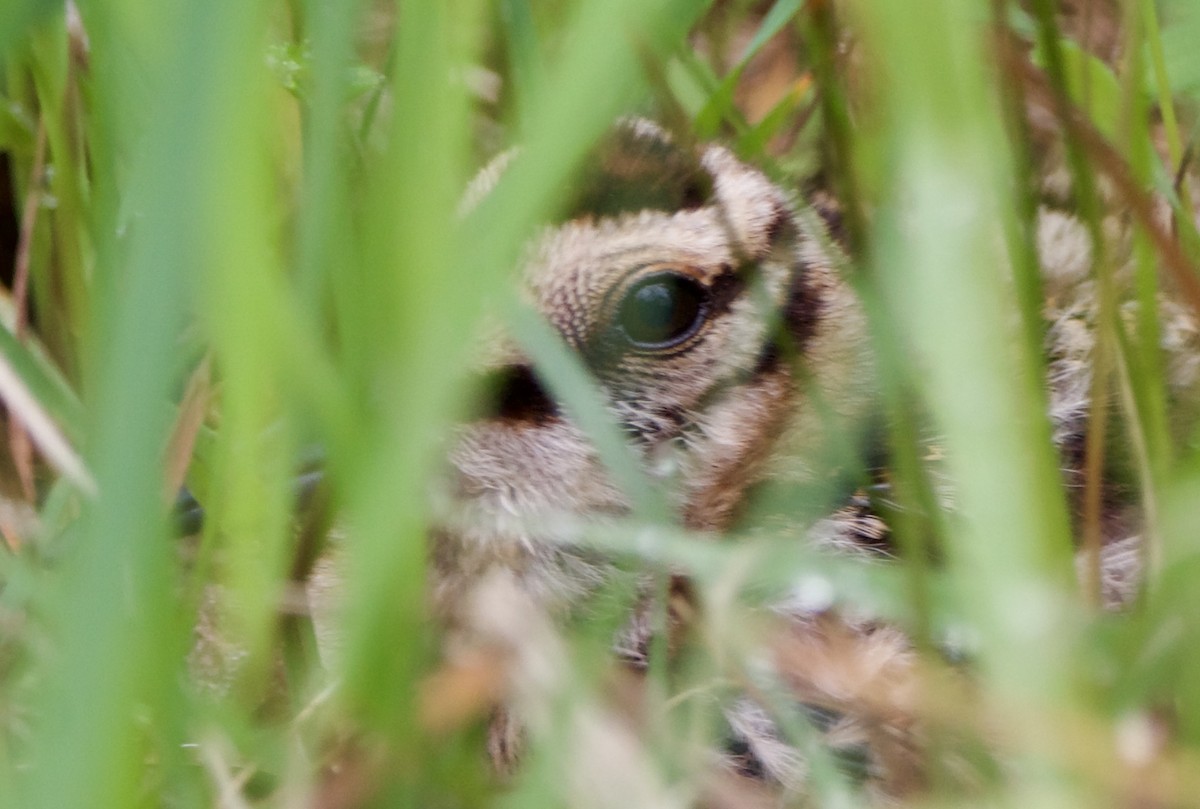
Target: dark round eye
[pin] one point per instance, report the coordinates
(662, 310)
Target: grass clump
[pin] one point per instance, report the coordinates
(234, 251)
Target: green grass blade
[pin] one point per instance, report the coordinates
(118, 638)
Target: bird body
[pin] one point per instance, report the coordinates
(713, 311)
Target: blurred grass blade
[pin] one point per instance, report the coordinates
(322, 227)
(947, 189)
(594, 81)
(60, 283)
(431, 276)
(1091, 84)
(781, 14)
(193, 405)
(39, 373)
(571, 384)
(42, 430)
(243, 289)
(525, 53)
(407, 311)
(720, 103)
(18, 16)
(118, 639)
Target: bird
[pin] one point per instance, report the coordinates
(714, 312)
(684, 281)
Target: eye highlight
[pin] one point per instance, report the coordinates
(662, 310)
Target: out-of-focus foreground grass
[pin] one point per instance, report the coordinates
(230, 236)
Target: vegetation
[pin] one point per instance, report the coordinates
(235, 246)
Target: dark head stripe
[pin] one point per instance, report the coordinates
(636, 170)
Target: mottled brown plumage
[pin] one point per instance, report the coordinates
(712, 308)
(773, 371)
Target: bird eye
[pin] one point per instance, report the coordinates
(662, 310)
